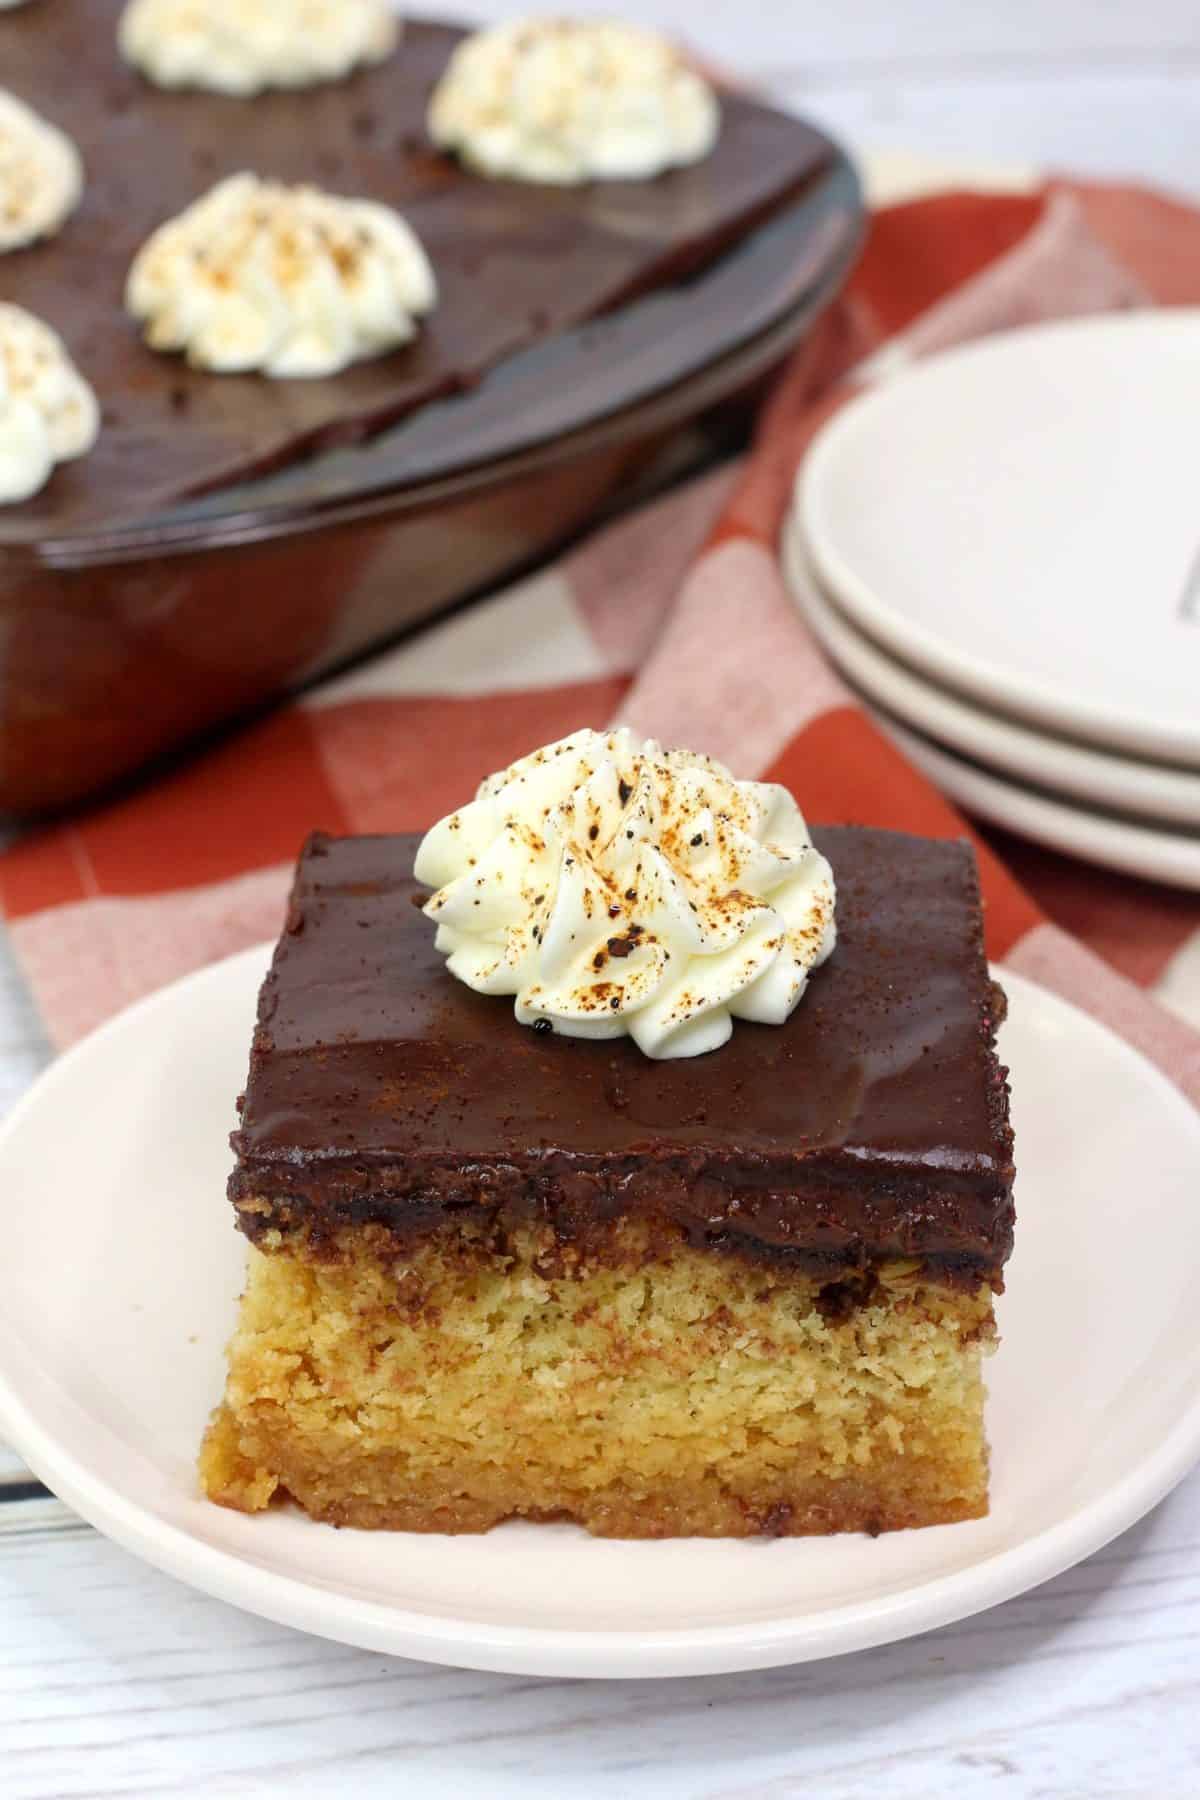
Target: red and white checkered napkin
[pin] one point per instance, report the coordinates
(675, 620)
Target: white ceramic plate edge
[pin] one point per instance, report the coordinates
(1044, 704)
(544, 1651)
(1094, 837)
(1095, 777)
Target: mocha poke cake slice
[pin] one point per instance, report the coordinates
(621, 1153)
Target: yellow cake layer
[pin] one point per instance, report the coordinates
(661, 1391)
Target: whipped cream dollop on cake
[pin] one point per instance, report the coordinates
(287, 280)
(41, 175)
(48, 413)
(572, 100)
(616, 887)
(241, 47)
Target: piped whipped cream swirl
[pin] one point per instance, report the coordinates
(48, 413)
(240, 47)
(41, 175)
(616, 887)
(572, 100)
(287, 280)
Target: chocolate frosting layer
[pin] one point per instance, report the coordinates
(515, 262)
(873, 1124)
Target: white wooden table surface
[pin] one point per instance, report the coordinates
(115, 1680)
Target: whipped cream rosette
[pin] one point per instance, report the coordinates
(287, 280)
(242, 47)
(616, 887)
(572, 100)
(41, 175)
(48, 413)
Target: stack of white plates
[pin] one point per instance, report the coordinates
(1000, 549)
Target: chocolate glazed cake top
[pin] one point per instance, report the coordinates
(515, 262)
(873, 1124)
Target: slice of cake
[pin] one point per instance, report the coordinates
(723, 1276)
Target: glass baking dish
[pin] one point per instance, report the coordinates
(121, 645)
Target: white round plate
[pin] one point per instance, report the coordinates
(118, 1285)
(1156, 855)
(1145, 789)
(1019, 518)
